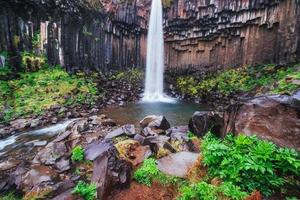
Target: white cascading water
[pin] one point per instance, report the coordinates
(155, 57)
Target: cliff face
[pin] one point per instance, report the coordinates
(227, 33)
(75, 33)
(106, 34)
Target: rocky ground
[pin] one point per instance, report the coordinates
(112, 152)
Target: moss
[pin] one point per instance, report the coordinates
(36, 92)
(132, 75)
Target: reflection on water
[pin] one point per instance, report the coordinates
(176, 113)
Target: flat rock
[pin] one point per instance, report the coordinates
(177, 164)
(97, 148)
(37, 175)
(127, 129)
(9, 164)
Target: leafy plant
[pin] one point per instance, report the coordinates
(149, 173)
(85, 190)
(205, 191)
(249, 162)
(77, 154)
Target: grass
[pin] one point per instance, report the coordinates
(36, 92)
(276, 80)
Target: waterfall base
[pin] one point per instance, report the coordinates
(157, 97)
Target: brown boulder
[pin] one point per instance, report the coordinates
(275, 118)
(155, 122)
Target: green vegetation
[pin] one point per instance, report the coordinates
(32, 62)
(205, 191)
(232, 168)
(85, 190)
(148, 173)
(250, 163)
(269, 77)
(77, 154)
(34, 93)
(10, 196)
(132, 75)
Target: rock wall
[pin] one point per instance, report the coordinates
(229, 33)
(106, 34)
(76, 34)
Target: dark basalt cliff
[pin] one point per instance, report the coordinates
(106, 34)
(231, 33)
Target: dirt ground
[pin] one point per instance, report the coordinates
(142, 192)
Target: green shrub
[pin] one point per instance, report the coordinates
(251, 163)
(205, 191)
(86, 191)
(77, 154)
(149, 173)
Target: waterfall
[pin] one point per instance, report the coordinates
(155, 57)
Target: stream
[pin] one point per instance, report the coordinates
(27, 140)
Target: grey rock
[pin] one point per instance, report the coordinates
(177, 164)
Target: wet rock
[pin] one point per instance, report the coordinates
(67, 195)
(36, 175)
(63, 165)
(147, 131)
(40, 143)
(156, 122)
(109, 122)
(19, 124)
(35, 122)
(177, 129)
(128, 130)
(97, 148)
(97, 119)
(203, 121)
(132, 151)
(139, 138)
(109, 172)
(274, 118)
(158, 139)
(9, 164)
(52, 152)
(177, 164)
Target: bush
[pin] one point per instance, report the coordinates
(251, 163)
(205, 191)
(149, 173)
(234, 81)
(77, 154)
(86, 191)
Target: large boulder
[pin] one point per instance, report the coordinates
(155, 122)
(275, 118)
(108, 171)
(203, 121)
